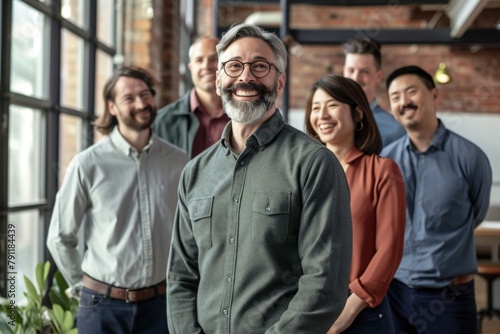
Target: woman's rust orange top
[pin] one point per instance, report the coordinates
(378, 206)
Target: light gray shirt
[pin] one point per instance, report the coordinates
(127, 202)
(262, 239)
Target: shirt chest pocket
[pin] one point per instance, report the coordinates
(200, 213)
(270, 217)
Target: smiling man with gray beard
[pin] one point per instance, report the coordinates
(262, 235)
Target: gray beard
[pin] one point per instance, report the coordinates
(248, 112)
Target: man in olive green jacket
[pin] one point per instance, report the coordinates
(196, 120)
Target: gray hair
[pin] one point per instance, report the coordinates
(241, 30)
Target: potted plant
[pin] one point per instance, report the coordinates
(34, 316)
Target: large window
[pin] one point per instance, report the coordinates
(56, 56)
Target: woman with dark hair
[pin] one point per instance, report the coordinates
(338, 115)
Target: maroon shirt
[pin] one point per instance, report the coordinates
(211, 127)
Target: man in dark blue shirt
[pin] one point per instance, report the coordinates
(448, 182)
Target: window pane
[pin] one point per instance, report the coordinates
(70, 140)
(29, 247)
(74, 11)
(26, 155)
(104, 70)
(72, 71)
(29, 52)
(105, 21)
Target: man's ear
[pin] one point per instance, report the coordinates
(380, 75)
(217, 83)
(435, 93)
(281, 83)
(111, 107)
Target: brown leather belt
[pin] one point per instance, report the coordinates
(461, 280)
(128, 295)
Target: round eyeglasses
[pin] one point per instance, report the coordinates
(259, 69)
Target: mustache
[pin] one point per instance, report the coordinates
(407, 106)
(146, 108)
(247, 86)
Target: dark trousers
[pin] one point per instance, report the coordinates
(451, 309)
(373, 320)
(100, 314)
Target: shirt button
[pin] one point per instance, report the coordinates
(225, 312)
(242, 163)
(231, 241)
(236, 200)
(268, 209)
(228, 279)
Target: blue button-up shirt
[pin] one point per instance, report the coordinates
(389, 128)
(447, 195)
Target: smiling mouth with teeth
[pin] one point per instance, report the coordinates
(325, 126)
(246, 93)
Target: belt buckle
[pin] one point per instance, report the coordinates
(126, 296)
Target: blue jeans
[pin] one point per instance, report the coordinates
(100, 314)
(451, 309)
(373, 320)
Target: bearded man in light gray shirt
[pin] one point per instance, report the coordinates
(123, 189)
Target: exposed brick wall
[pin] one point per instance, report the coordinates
(137, 34)
(165, 43)
(151, 40)
(476, 75)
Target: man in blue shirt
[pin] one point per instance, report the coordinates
(363, 65)
(448, 182)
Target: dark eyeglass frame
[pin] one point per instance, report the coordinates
(250, 64)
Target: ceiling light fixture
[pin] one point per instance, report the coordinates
(442, 75)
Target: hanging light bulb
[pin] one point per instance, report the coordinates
(442, 75)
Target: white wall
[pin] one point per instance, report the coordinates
(482, 129)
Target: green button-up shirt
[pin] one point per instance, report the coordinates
(261, 240)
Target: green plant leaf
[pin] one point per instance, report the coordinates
(57, 298)
(39, 277)
(31, 292)
(56, 327)
(46, 270)
(61, 282)
(73, 331)
(58, 313)
(4, 326)
(68, 322)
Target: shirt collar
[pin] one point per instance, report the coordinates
(353, 155)
(195, 106)
(123, 145)
(264, 135)
(193, 101)
(437, 141)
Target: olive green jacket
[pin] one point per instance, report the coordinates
(177, 124)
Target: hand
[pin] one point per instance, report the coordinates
(352, 308)
(342, 323)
